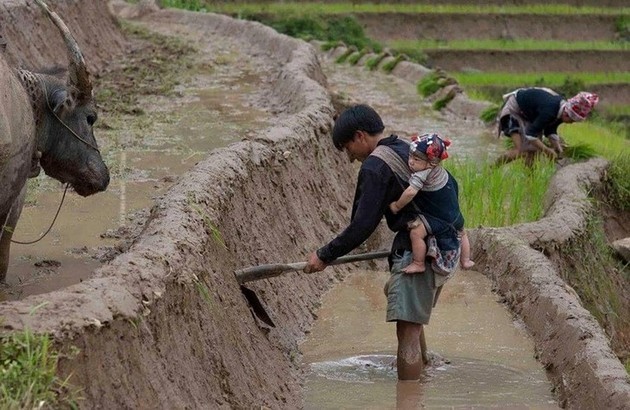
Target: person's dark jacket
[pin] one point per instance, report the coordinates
(540, 109)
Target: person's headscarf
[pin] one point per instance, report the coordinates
(579, 106)
(430, 147)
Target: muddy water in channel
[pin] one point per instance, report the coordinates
(487, 358)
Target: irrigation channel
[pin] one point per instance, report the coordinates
(489, 359)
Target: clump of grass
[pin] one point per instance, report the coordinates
(489, 115)
(432, 82)
(444, 100)
(192, 5)
(618, 183)
(354, 58)
(554, 80)
(344, 29)
(501, 196)
(372, 63)
(413, 54)
(28, 367)
(342, 58)
(389, 66)
(622, 28)
(505, 44)
(590, 267)
(579, 152)
(605, 139)
(329, 45)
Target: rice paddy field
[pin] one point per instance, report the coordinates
(488, 46)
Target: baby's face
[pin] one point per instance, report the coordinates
(416, 164)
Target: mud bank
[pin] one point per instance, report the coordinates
(165, 324)
(569, 341)
(33, 42)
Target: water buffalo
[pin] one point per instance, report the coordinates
(46, 122)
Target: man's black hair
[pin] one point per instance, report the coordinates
(357, 118)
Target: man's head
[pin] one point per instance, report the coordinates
(356, 131)
(577, 108)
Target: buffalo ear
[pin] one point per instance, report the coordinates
(58, 99)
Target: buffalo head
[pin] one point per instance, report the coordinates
(65, 113)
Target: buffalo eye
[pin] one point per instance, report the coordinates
(91, 119)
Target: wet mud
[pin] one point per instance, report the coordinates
(165, 324)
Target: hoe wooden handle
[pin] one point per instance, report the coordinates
(275, 269)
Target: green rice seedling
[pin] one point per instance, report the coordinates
(579, 152)
(389, 66)
(489, 115)
(443, 101)
(605, 140)
(192, 5)
(413, 54)
(354, 58)
(28, 374)
(622, 27)
(429, 84)
(618, 183)
(329, 45)
(372, 63)
(549, 79)
(501, 196)
(506, 45)
(342, 58)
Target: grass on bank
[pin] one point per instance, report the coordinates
(549, 79)
(28, 379)
(310, 8)
(509, 45)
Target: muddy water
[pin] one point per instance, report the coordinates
(483, 358)
(146, 155)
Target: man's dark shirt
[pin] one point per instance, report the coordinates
(377, 187)
(540, 109)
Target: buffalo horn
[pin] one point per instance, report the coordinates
(78, 72)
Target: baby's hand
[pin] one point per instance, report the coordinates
(393, 207)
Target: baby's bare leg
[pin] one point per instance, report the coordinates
(419, 249)
(465, 261)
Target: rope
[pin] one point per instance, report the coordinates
(51, 224)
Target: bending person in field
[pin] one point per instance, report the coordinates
(528, 114)
(425, 156)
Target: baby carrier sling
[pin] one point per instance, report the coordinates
(444, 262)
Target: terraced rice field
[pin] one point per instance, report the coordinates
(489, 46)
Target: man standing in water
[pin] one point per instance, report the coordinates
(359, 131)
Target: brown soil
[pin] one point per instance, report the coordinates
(165, 325)
(444, 26)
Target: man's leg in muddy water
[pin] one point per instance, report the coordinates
(409, 359)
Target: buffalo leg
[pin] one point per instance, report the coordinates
(7, 233)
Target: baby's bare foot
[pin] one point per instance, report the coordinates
(467, 264)
(415, 267)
